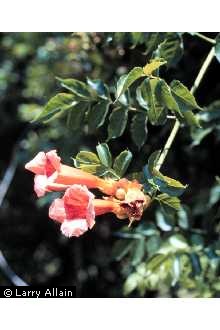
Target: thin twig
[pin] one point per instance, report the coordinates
(201, 36)
(176, 126)
(9, 175)
(9, 273)
(4, 186)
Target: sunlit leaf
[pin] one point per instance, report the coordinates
(172, 202)
(155, 108)
(99, 87)
(58, 103)
(153, 159)
(183, 220)
(178, 241)
(77, 87)
(127, 80)
(165, 97)
(121, 163)
(131, 283)
(104, 154)
(163, 221)
(186, 102)
(168, 185)
(87, 157)
(176, 270)
(154, 64)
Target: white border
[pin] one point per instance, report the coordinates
(115, 15)
(120, 15)
(109, 314)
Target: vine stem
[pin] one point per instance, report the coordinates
(176, 126)
(201, 36)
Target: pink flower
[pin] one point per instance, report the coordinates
(74, 211)
(46, 167)
(77, 209)
(52, 175)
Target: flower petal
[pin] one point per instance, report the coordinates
(80, 199)
(40, 184)
(57, 210)
(78, 195)
(75, 227)
(54, 159)
(37, 165)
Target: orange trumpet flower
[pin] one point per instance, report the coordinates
(52, 175)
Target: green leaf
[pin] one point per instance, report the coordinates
(97, 114)
(126, 80)
(156, 261)
(138, 251)
(139, 129)
(153, 244)
(76, 116)
(131, 283)
(87, 158)
(141, 101)
(165, 97)
(157, 181)
(89, 162)
(198, 134)
(176, 270)
(163, 221)
(183, 221)
(178, 242)
(171, 49)
(197, 241)
(121, 163)
(217, 47)
(58, 103)
(153, 159)
(153, 40)
(96, 169)
(191, 119)
(121, 249)
(136, 38)
(211, 113)
(117, 122)
(104, 154)
(172, 202)
(183, 95)
(210, 119)
(214, 195)
(77, 87)
(196, 265)
(154, 64)
(155, 108)
(100, 88)
(168, 185)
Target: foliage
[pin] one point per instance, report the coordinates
(119, 93)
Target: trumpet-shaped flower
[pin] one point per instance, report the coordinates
(77, 209)
(52, 175)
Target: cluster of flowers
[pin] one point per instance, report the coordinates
(77, 209)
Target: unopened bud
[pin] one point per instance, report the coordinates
(120, 194)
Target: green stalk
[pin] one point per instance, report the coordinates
(176, 126)
(201, 36)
